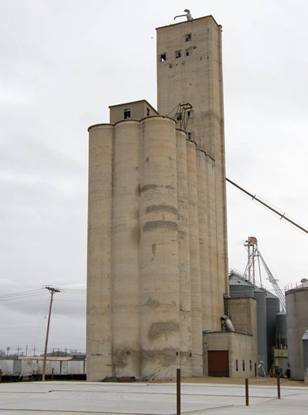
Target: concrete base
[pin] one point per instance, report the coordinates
(141, 398)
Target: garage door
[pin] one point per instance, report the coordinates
(218, 363)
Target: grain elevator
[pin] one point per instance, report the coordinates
(157, 242)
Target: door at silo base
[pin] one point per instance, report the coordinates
(218, 363)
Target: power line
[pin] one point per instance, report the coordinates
(21, 293)
(254, 197)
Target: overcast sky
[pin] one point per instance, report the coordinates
(62, 62)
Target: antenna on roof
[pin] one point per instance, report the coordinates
(187, 15)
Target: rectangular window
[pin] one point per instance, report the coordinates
(187, 37)
(250, 365)
(236, 365)
(127, 113)
(178, 53)
(148, 111)
(163, 57)
(187, 52)
(243, 365)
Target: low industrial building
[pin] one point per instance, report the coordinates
(233, 351)
(28, 366)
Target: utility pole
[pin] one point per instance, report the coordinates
(52, 291)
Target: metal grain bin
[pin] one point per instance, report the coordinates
(281, 330)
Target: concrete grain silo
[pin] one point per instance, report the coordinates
(297, 324)
(159, 284)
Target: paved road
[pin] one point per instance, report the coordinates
(51, 398)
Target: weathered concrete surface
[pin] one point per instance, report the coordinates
(52, 398)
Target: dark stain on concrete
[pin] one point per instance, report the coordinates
(165, 357)
(147, 187)
(135, 235)
(164, 208)
(168, 224)
(151, 302)
(120, 357)
(162, 328)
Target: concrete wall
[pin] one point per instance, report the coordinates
(297, 323)
(242, 351)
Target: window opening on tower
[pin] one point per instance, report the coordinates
(178, 53)
(163, 57)
(127, 113)
(187, 37)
